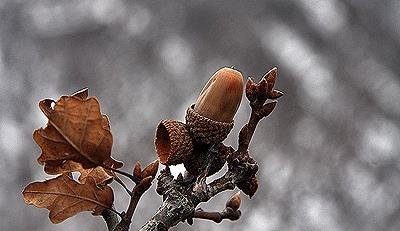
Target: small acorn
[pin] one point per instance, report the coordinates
(173, 143)
(210, 119)
(234, 201)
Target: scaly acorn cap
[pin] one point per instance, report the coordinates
(173, 143)
(211, 119)
(204, 130)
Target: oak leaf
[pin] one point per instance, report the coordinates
(64, 197)
(76, 131)
(99, 174)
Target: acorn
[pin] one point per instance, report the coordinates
(210, 119)
(173, 143)
(234, 202)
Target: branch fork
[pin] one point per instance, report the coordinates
(241, 173)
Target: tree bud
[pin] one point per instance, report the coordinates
(234, 202)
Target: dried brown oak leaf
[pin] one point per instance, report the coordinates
(77, 131)
(99, 174)
(64, 197)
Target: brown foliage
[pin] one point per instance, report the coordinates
(76, 139)
(99, 174)
(76, 131)
(64, 197)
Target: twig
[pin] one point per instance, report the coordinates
(247, 131)
(137, 193)
(258, 94)
(226, 182)
(180, 199)
(111, 219)
(128, 175)
(175, 208)
(217, 217)
(119, 181)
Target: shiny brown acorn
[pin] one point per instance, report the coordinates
(210, 119)
(221, 96)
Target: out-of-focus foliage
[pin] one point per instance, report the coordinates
(329, 154)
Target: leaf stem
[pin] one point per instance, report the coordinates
(128, 175)
(112, 209)
(119, 181)
(137, 192)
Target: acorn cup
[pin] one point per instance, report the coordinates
(210, 119)
(173, 143)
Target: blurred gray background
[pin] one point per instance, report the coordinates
(328, 155)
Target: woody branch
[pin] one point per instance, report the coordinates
(182, 196)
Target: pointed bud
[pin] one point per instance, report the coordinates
(234, 202)
(150, 170)
(137, 170)
(251, 89)
(271, 75)
(267, 82)
(262, 85)
(221, 96)
(144, 184)
(275, 94)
